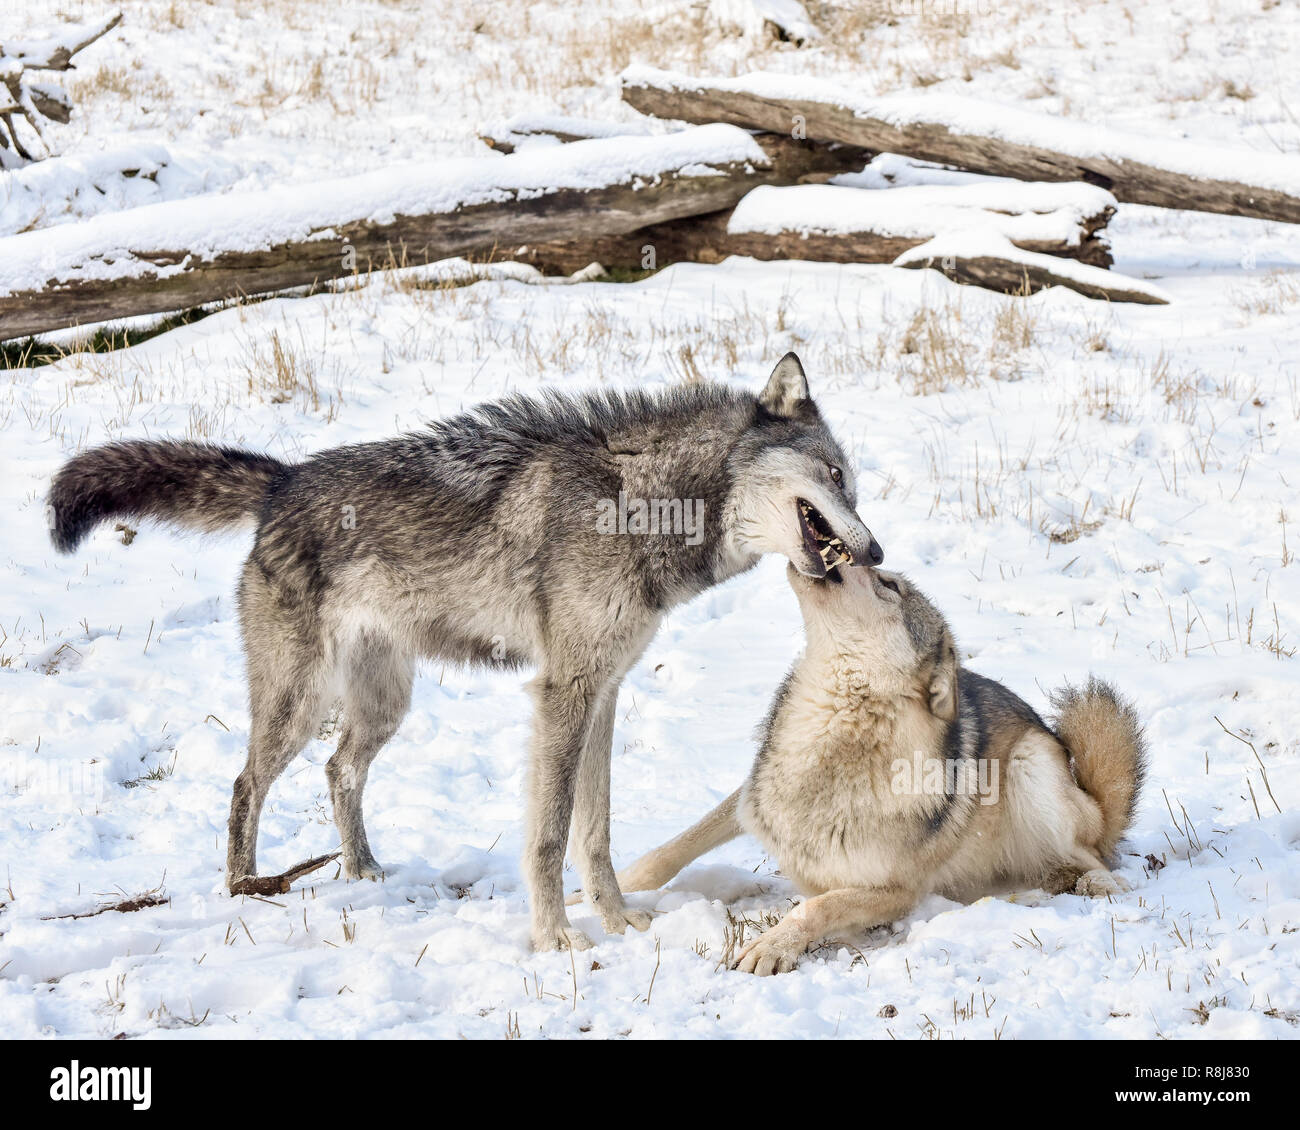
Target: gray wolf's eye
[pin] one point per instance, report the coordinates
(837, 476)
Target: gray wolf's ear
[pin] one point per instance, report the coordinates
(787, 388)
(943, 684)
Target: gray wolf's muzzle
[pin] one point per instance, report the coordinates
(861, 543)
(837, 538)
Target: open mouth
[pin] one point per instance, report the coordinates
(820, 538)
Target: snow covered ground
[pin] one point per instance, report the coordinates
(1081, 487)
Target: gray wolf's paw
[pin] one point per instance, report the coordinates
(617, 921)
(1098, 884)
(363, 868)
(775, 952)
(560, 938)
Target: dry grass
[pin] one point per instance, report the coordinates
(935, 351)
(280, 370)
(943, 347)
(1275, 293)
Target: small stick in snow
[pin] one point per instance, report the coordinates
(280, 884)
(124, 906)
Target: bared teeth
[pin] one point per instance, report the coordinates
(843, 556)
(806, 511)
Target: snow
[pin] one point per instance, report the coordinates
(114, 245)
(130, 175)
(891, 170)
(1005, 122)
(990, 433)
(1013, 209)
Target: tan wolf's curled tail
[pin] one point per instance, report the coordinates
(1103, 733)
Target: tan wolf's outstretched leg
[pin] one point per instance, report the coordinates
(849, 908)
(656, 868)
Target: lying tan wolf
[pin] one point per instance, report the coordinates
(887, 771)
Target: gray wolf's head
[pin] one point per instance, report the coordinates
(887, 626)
(793, 491)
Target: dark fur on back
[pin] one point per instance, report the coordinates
(454, 488)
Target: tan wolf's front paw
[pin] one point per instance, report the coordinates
(772, 953)
(1098, 884)
(617, 922)
(560, 938)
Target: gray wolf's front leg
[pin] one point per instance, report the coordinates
(848, 908)
(657, 868)
(564, 708)
(591, 822)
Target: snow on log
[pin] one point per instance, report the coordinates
(554, 129)
(184, 253)
(846, 225)
(985, 137)
(986, 259)
(55, 52)
(835, 224)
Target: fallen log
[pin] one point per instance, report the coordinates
(32, 101)
(52, 101)
(55, 52)
(835, 224)
(985, 137)
(185, 253)
(991, 261)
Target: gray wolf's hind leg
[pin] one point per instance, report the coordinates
(376, 699)
(591, 823)
(286, 710)
(561, 724)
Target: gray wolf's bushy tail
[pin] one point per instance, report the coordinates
(1102, 731)
(197, 486)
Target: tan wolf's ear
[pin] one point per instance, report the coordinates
(943, 683)
(787, 388)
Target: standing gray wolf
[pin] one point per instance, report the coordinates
(483, 539)
(887, 771)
